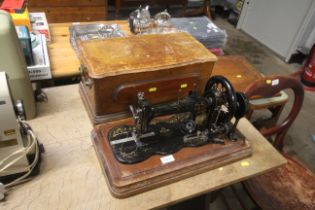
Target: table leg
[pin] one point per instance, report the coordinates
(205, 9)
(117, 8)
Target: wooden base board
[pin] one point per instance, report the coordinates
(129, 179)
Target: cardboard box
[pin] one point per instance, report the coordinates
(41, 69)
(22, 19)
(39, 24)
(13, 6)
(25, 40)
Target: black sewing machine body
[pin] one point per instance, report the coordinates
(188, 122)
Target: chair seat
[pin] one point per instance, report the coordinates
(289, 187)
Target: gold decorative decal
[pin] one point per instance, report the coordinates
(9, 132)
(8, 143)
(184, 85)
(152, 89)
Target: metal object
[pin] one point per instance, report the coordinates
(191, 121)
(87, 81)
(162, 19)
(20, 109)
(94, 31)
(139, 19)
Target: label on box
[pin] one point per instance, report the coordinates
(41, 69)
(167, 159)
(39, 24)
(39, 74)
(44, 32)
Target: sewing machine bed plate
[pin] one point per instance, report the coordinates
(128, 179)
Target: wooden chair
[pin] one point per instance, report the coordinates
(293, 185)
(166, 3)
(274, 104)
(203, 8)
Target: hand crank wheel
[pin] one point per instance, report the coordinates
(222, 96)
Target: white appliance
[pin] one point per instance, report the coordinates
(13, 63)
(11, 139)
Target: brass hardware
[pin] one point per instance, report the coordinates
(86, 81)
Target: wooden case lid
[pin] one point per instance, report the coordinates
(134, 54)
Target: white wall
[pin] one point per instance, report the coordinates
(275, 23)
(308, 38)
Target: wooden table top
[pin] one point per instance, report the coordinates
(71, 177)
(237, 70)
(64, 62)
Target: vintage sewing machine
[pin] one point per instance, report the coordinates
(188, 122)
(168, 141)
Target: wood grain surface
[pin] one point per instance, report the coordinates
(161, 61)
(289, 187)
(237, 70)
(143, 53)
(71, 177)
(58, 11)
(57, 14)
(100, 95)
(63, 60)
(63, 3)
(125, 180)
(157, 88)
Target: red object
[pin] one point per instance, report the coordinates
(216, 51)
(13, 6)
(298, 75)
(308, 76)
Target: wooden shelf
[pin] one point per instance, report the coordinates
(70, 10)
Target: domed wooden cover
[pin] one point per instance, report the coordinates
(134, 54)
